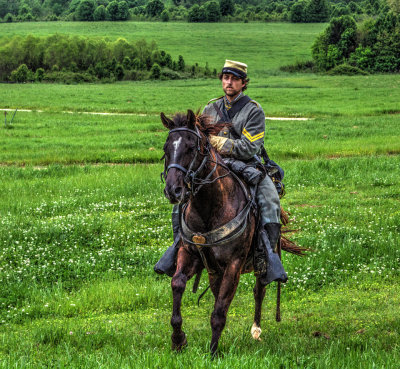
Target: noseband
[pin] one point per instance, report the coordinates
(191, 179)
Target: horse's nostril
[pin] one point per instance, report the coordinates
(178, 191)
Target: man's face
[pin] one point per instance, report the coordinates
(232, 85)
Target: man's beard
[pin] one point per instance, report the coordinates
(231, 92)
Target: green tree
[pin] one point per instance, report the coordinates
(112, 9)
(197, 14)
(395, 6)
(213, 13)
(123, 10)
(297, 12)
(154, 8)
(21, 74)
(9, 18)
(334, 45)
(165, 16)
(39, 75)
(100, 14)
(24, 9)
(126, 63)
(226, 7)
(316, 11)
(119, 72)
(155, 71)
(85, 10)
(181, 63)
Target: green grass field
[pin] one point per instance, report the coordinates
(83, 218)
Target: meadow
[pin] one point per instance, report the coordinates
(83, 218)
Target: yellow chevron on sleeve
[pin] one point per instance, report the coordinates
(252, 138)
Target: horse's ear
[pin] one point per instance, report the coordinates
(191, 119)
(168, 123)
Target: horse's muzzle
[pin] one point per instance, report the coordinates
(176, 194)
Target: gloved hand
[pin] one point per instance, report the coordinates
(217, 142)
(223, 145)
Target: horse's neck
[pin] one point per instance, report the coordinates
(218, 202)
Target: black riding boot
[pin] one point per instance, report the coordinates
(167, 263)
(267, 263)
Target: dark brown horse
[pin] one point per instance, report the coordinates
(195, 175)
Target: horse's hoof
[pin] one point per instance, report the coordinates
(181, 345)
(217, 355)
(256, 332)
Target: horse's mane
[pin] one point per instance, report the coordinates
(203, 123)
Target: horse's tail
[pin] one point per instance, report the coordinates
(286, 244)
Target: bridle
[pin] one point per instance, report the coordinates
(191, 179)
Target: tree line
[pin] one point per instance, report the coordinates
(347, 48)
(189, 10)
(72, 59)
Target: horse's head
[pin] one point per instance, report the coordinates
(184, 154)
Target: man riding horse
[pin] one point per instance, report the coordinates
(243, 141)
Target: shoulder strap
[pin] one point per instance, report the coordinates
(238, 105)
(215, 99)
(223, 117)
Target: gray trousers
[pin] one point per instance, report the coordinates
(268, 201)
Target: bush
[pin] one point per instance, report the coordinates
(8, 18)
(155, 71)
(300, 66)
(165, 16)
(28, 17)
(52, 18)
(39, 75)
(21, 74)
(347, 70)
(68, 77)
(167, 74)
(119, 72)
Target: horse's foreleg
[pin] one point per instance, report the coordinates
(225, 296)
(185, 269)
(259, 293)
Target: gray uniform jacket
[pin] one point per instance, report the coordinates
(248, 124)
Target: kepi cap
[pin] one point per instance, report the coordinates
(236, 68)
